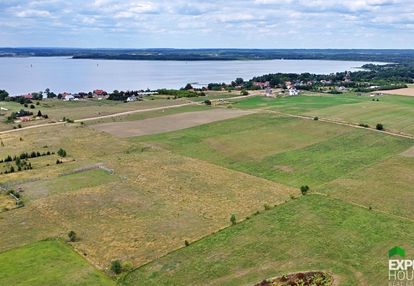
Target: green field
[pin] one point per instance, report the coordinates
(286, 150)
(313, 232)
(172, 189)
(299, 104)
(48, 263)
(395, 112)
(75, 110)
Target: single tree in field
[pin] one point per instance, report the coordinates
(116, 267)
(380, 127)
(72, 236)
(233, 219)
(304, 189)
(39, 114)
(61, 152)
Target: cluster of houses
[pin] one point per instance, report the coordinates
(290, 89)
(98, 94)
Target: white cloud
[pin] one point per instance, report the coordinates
(310, 23)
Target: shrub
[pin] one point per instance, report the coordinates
(304, 189)
(233, 219)
(380, 127)
(244, 92)
(186, 243)
(61, 152)
(207, 102)
(127, 266)
(316, 118)
(267, 207)
(72, 236)
(364, 125)
(116, 267)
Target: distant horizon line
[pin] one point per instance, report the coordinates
(165, 48)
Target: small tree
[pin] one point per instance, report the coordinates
(380, 127)
(39, 114)
(116, 267)
(72, 236)
(188, 87)
(304, 189)
(61, 152)
(233, 219)
(207, 102)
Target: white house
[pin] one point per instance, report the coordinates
(131, 98)
(69, 97)
(293, 92)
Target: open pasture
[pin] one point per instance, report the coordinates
(286, 150)
(386, 186)
(151, 204)
(313, 233)
(49, 262)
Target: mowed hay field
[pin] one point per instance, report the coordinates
(49, 262)
(311, 233)
(169, 122)
(151, 204)
(283, 149)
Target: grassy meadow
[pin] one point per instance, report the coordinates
(151, 204)
(179, 186)
(76, 110)
(311, 233)
(50, 262)
(282, 149)
(395, 112)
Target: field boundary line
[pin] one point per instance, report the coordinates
(343, 123)
(363, 206)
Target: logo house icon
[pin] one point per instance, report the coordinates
(396, 250)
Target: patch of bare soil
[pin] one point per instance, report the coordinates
(305, 279)
(408, 153)
(286, 169)
(402, 91)
(169, 122)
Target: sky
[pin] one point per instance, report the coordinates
(207, 24)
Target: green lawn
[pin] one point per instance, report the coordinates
(48, 263)
(285, 150)
(310, 233)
